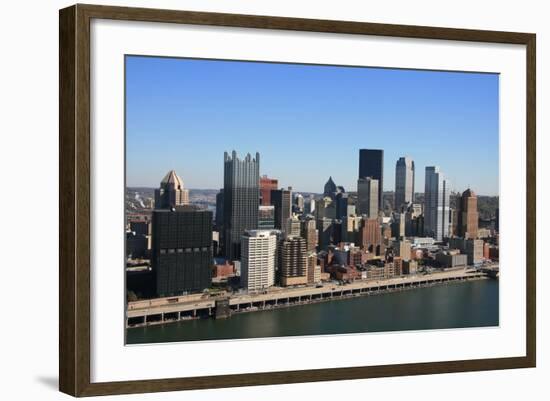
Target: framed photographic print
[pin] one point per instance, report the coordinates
(250, 200)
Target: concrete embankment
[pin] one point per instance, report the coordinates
(166, 310)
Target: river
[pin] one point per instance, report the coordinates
(453, 305)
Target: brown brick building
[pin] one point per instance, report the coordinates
(370, 236)
(467, 215)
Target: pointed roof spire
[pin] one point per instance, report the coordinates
(173, 180)
(330, 186)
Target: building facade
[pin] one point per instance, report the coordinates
(367, 197)
(294, 226)
(404, 182)
(370, 237)
(241, 199)
(281, 199)
(308, 231)
(371, 164)
(266, 217)
(467, 215)
(181, 250)
(436, 204)
(266, 186)
(293, 261)
(219, 210)
(258, 259)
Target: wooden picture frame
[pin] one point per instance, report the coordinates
(74, 203)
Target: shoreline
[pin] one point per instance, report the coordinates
(286, 300)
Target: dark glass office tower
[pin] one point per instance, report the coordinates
(371, 164)
(281, 199)
(241, 198)
(219, 209)
(181, 250)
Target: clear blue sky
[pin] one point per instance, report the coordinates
(308, 122)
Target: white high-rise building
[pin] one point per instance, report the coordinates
(258, 259)
(436, 204)
(404, 182)
(367, 197)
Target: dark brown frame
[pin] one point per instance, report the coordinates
(74, 202)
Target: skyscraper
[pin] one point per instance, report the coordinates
(309, 206)
(324, 233)
(371, 164)
(219, 209)
(171, 192)
(308, 231)
(367, 197)
(241, 198)
(258, 259)
(293, 261)
(467, 215)
(436, 204)
(181, 250)
(266, 185)
(299, 202)
(370, 236)
(293, 226)
(404, 182)
(282, 200)
(341, 200)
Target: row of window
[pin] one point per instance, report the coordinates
(183, 250)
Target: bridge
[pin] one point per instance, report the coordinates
(172, 309)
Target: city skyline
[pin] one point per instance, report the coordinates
(168, 122)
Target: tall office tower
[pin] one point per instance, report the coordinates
(342, 201)
(241, 200)
(266, 217)
(266, 185)
(309, 207)
(293, 261)
(324, 232)
(337, 231)
(181, 250)
(370, 236)
(219, 209)
(398, 225)
(371, 164)
(412, 214)
(436, 204)
(258, 259)
(294, 226)
(171, 192)
(367, 197)
(467, 215)
(282, 200)
(299, 202)
(404, 182)
(351, 206)
(308, 231)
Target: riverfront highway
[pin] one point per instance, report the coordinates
(189, 305)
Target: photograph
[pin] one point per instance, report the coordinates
(271, 199)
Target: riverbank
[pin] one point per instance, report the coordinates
(170, 310)
(472, 303)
